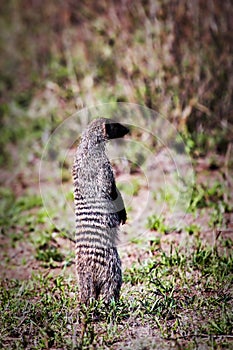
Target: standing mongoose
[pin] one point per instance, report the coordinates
(99, 210)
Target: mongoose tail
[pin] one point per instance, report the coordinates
(99, 210)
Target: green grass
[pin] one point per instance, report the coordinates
(16, 211)
(156, 223)
(192, 229)
(36, 313)
(212, 196)
(182, 292)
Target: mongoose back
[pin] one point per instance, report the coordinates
(99, 210)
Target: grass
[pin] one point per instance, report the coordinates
(192, 229)
(183, 293)
(205, 195)
(35, 324)
(156, 223)
(178, 293)
(16, 211)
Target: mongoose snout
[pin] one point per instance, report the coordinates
(115, 130)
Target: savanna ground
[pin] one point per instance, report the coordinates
(173, 57)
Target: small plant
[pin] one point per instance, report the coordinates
(217, 216)
(156, 223)
(204, 196)
(11, 209)
(155, 245)
(192, 229)
(46, 249)
(48, 253)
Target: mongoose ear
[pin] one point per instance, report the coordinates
(115, 130)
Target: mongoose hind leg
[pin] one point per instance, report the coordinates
(87, 290)
(111, 288)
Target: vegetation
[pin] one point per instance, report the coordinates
(173, 57)
(182, 296)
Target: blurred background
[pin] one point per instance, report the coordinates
(60, 56)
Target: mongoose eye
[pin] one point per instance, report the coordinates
(115, 130)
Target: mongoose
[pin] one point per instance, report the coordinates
(99, 210)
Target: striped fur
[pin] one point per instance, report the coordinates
(99, 211)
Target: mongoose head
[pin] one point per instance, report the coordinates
(114, 130)
(103, 129)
